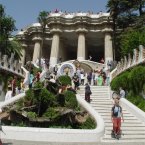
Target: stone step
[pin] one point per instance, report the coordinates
(95, 92)
(135, 121)
(102, 103)
(127, 137)
(102, 106)
(122, 141)
(103, 87)
(101, 110)
(97, 96)
(101, 99)
(125, 118)
(129, 125)
(126, 132)
(130, 128)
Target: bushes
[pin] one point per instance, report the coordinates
(120, 81)
(70, 98)
(137, 100)
(65, 80)
(130, 81)
(51, 113)
(137, 79)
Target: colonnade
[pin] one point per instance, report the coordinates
(81, 48)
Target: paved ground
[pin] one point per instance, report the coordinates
(12, 142)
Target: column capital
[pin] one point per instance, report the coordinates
(37, 38)
(24, 44)
(107, 30)
(55, 31)
(81, 30)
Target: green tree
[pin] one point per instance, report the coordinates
(131, 39)
(127, 14)
(42, 19)
(7, 26)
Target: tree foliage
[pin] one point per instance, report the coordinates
(128, 16)
(7, 26)
(42, 19)
(131, 81)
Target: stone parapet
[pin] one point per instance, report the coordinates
(128, 63)
(11, 65)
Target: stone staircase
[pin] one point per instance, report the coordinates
(133, 129)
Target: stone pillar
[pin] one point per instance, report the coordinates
(37, 47)
(108, 47)
(81, 50)
(23, 57)
(62, 50)
(54, 49)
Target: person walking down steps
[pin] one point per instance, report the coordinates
(116, 116)
(87, 93)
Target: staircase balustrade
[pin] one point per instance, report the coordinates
(11, 65)
(127, 63)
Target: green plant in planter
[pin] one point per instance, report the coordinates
(31, 115)
(88, 124)
(51, 113)
(64, 80)
(71, 101)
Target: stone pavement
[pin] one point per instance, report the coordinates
(14, 142)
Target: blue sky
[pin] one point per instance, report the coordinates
(26, 12)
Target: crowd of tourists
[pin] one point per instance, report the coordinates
(73, 13)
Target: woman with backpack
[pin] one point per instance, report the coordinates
(116, 116)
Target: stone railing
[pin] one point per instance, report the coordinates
(11, 65)
(129, 62)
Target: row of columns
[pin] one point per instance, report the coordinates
(81, 50)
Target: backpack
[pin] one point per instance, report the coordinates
(115, 114)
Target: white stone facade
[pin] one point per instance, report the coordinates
(69, 36)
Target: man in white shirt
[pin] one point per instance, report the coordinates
(8, 94)
(122, 93)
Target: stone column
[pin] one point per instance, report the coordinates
(37, 47)
(108, 47)
(81, 50)
(22, 59)
(54, 49)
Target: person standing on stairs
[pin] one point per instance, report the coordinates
(87, 93)
(116, 115)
